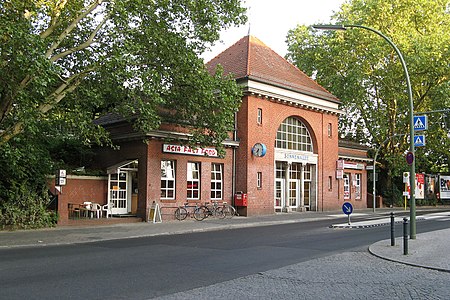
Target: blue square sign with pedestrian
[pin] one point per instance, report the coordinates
(420, 123)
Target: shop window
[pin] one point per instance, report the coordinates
(292, 134)
(216, 181)
(259, 116)
(259, 180)
(193, 181)
(357, 186)
(167, 179)
(346, 186)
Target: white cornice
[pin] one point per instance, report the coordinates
(290, 97)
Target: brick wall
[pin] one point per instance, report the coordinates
(261, 201)
(77, 190)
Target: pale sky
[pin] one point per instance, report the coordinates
(270, 20)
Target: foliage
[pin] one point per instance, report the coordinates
(64, 63)
(23, 193)
(67, 61)
(364, 71)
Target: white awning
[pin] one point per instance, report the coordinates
(127, 165)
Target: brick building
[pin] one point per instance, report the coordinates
(284, 154)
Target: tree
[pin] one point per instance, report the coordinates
(64, 63)
(362, 70)
(67, 61)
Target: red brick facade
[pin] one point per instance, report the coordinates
(286, 178)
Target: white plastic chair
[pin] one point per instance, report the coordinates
(96, 210)
(107, 209)
(86, 208)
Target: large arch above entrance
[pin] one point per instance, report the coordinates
(295, 167)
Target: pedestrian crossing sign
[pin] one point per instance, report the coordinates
(419, 140)
(420, 123)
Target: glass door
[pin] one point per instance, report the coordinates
(279, 194)
(118, 193)
(295, 192)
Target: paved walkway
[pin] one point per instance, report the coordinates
(429, 250)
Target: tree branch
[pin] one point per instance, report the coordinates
(72, 26)
(54, 19)
(86, 44)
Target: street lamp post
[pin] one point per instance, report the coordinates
(411, 117)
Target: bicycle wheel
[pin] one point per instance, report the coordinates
(229, 211)
(219, 213)
(181, 213)
(199, 213)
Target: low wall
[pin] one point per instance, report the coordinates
(79, 189)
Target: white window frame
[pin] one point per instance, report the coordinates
(216, 181)
(259, 180)
(193, 181)
(346, 179)
(292, 134)
(168, 179)
(358, 186)
(259, 116)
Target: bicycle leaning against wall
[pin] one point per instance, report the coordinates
(196, 211)
(228, 210)
(213, 209)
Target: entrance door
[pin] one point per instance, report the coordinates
(307, 194)
(294, 193)
(118, 192)
(279, 194)
(295, 184)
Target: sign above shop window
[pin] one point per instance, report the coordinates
(178, 149)
(353, 166)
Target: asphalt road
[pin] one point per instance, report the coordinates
(144, 268)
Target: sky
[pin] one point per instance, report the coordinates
(270, 20)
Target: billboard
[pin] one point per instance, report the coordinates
(444, 187)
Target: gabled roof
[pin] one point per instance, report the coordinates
(250, 58)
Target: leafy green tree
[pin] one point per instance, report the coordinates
(64, 63)
(363, 70)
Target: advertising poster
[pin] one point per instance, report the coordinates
(444, 186)
(420, 186)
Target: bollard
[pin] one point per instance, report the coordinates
(405, 236)
(392, 229)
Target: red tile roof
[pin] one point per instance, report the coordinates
(251, 58)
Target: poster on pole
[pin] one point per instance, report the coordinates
(420, 186)
(444, 187)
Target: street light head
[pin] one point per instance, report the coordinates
(329, 27)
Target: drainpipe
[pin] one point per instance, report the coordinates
(233, 180)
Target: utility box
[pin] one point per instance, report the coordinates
(240, 199)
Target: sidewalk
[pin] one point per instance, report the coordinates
(429, 250)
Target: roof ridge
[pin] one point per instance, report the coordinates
(287, 61)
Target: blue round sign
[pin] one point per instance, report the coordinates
(347, 208)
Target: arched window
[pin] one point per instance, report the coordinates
(293, 135)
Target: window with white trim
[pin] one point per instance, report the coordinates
(216, 181)
(167, 179)
(346, 186)
(193, 181)
(358, 186)
(292, 134)
(330, 130)
(259, 180)
(259, 116)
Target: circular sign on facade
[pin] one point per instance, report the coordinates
(259, 150)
